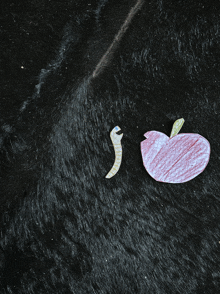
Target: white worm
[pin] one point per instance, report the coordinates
(116, 140)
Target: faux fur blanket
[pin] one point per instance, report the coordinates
(71, 71)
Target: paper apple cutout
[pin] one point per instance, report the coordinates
(177, 159)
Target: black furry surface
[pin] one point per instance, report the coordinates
(64, 227)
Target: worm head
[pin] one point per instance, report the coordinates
(116, 137)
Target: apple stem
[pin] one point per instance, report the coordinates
(176, 127)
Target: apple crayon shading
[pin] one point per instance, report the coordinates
(177, 159)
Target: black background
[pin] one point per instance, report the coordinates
(64, 227)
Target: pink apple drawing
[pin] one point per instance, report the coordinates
(175, 159)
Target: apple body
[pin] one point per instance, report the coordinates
(174, 160)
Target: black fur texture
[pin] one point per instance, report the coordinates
(70, 72)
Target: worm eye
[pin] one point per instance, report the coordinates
(116, 128)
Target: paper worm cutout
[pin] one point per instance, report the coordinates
(116, 140)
